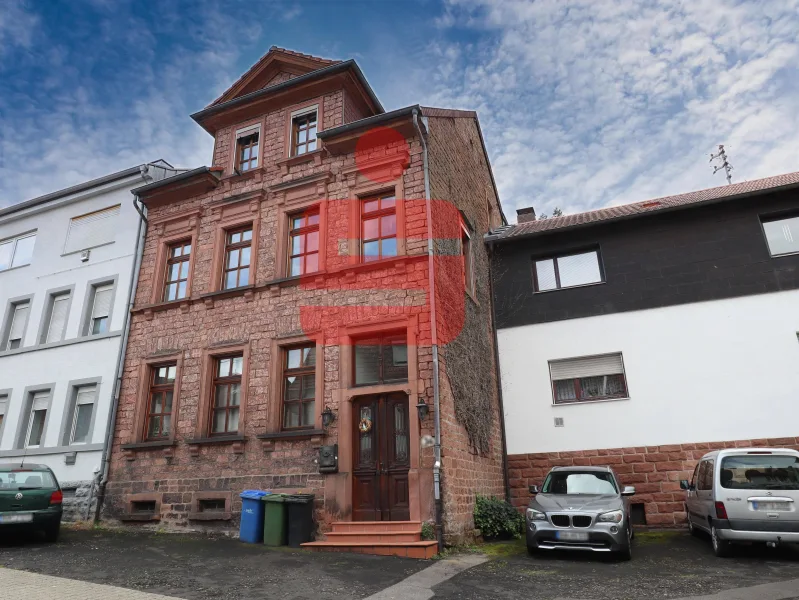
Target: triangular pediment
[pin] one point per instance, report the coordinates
(276, 66)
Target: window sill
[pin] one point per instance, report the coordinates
(244, 175)
(220, 439)
(14, 268)
(85, 249)
(397, 262)
(231, 293)
(286, 163)
(162, 306)
(210, 516)
(299, 434)
(148, 445)
(295, 279)
(579, 402)
(570, 287)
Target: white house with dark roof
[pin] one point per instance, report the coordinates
(642, 335)
(66, 270)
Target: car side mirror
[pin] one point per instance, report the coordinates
(533, 489)
(628, 491)
(684, 485)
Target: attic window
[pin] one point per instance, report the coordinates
(303, 132)
(247, 149)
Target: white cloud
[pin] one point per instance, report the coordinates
(587, 103)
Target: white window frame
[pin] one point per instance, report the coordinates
(54, 298)
(14, 241)
(78, 402)
(42, 397)
(786, 231)
(245, 132)
(26, 304)
(102, 220)
(557, 257)
(108, 287)
(620, 370)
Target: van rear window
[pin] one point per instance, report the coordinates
(760, 472)
(26, 480)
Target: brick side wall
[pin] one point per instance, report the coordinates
(459, 173)
(655, 471)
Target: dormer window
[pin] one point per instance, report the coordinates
(303, 131)
(247, 149)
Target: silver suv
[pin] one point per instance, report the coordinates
(745, 495)
(580, 508)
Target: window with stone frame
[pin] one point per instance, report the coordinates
(378, 227)
(176, 279)
(160, 400)
(16, 329)
(303, 133)
(304, 242)
(247, 152)
(226, 403)
(3, 410)
(238, 247)
(381, 359)
(299, 387)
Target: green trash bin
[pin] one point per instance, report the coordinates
(274, 520)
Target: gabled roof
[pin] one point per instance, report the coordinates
(270, 65)
(656, 205)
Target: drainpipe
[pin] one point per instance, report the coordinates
(506, 477)
(434, 337)
(105, 464)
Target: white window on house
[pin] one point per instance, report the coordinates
(57, 318)
(782, 235)
(568, 270)
(588, 379)
(82, 419)
(19, 322)
(3, 410)
(91, 230)
(17, 252)
(36, 421)
(101, 309)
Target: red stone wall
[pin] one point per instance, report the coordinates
(655, 471)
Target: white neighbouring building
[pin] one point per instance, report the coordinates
(66, 267)
(642, 336)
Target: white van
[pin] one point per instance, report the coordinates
(745, 495)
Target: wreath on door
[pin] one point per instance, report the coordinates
(365, 426)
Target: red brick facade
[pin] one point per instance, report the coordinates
(346, 299)
(655, 471)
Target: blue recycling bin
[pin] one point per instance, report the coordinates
(252, 516)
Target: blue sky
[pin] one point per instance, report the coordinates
(583, 103)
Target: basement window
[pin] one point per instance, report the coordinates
(142, 507)
(211, 505)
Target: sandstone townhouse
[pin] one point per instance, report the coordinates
(313, 314)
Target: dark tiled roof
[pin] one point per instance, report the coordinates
(726, 192)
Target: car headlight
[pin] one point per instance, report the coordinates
(535, 515)
(614, 516)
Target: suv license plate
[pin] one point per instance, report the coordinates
(16, 518)
(571, 536)
(773, 506)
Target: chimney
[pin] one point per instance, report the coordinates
(523, 215)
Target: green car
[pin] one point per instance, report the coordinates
(30, 498)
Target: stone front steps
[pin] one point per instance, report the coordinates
(385, 538)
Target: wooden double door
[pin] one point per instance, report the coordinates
(381, 458)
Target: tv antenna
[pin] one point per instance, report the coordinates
(725, 164)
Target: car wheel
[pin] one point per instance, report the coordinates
(721, 548)
(51, 533)
(627, 552)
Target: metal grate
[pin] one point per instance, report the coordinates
(581, 521)
(560, 520)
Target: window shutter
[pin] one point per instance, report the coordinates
(40, 401)
(92, 230)
(18, 323)
(86, 395)
(102, 301)
(589, 366)
(58, 319)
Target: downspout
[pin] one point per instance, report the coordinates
(505, 475)
(434, 337)
(105, 465)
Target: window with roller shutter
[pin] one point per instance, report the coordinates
(92, 230)
(37, 419)
(3, 411)
(588, 378)
(101, 309)
(16, 330)
(57, 318)
(82, 419)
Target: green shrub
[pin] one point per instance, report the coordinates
(428, 531)
(497, 519)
